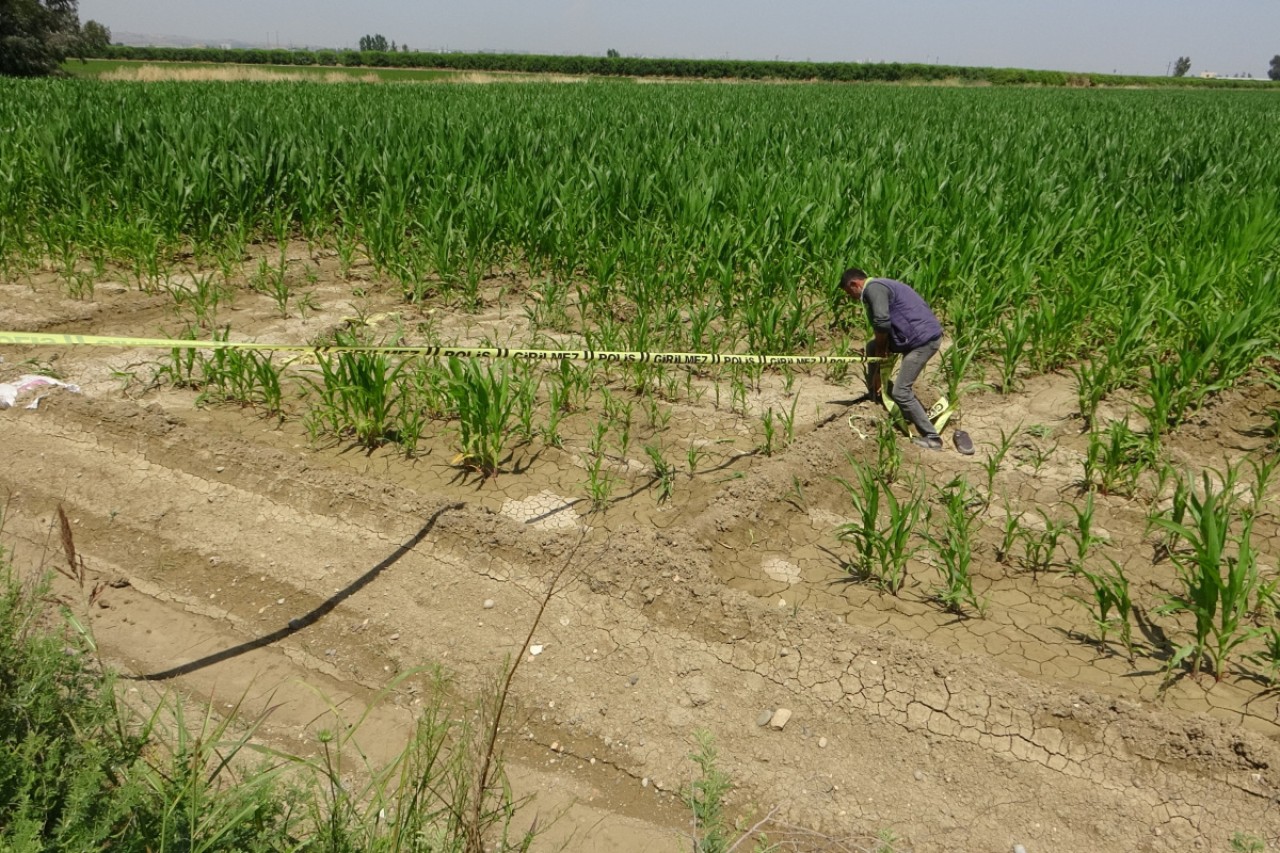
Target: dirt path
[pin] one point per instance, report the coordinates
(255, 564)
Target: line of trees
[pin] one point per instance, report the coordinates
(36, 36)
(630, 66)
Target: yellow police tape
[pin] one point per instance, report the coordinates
(41, 339)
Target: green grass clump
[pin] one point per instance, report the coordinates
(60, 744)
(79, 771)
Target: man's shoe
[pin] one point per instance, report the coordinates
(963, 443)
(928, 442)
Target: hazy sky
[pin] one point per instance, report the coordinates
(1128, 36)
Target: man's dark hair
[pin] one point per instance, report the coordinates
(851, 275)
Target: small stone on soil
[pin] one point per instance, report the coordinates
(822, 743)
(780, 719)
(765, 716)
(919, 774)
(488, 604)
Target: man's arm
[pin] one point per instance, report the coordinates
(876, 298)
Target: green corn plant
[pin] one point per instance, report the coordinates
(187, 368)
(1272, 428)
(619, 416)
(788, 419)
(1010, 529)
(766, 422)
(1109, 605)
(1263, 469)
(358, 397)
(1014, 336)
(795, 496)
(888, 452)
(1085, 538)
(991, 465)
(1040, 547)
(1268, 657)
(864, 531)
(551, 429)
(1116, 459)
(601, 479)
(1217, 582)
(904, 517)
(1093, 382)
(882, 547)
(273, 281)
(957, 361)
(953, 543)
(1166, 539)
(693, 457)
(248, 377)
(201, 299)
(664, 473)
(485, 401)
(656, 416)
(526, 405)
(571, 387)
(737, 395)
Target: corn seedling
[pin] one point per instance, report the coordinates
(485, 401)
(1217, 582)
(526, 404)
(664, 473)
(766, 423)
(247, 377)
(957, 361)
(358, 395)
(1093, 382)
(888, 453)
(1263, 470)
(995, 458)
(571, 386)
(657, 417)
(693, 456)
(1009, 530)
(184, 367)
(1268, 657)
(1109, 604)
(601, 478)
(273, 281)
(201, 298)
(796, 496)
(953, 544)
(1015, 334)
(788, 420)
(1040, 546)
(1085, 538)
(1117, 458)
(882, 547)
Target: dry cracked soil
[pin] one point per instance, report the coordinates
(250, 564)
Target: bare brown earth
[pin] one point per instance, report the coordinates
(262, 566)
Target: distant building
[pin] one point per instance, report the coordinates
(1209, 75)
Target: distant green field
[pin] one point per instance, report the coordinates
(99, 67)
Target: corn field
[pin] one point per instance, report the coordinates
(1130, 238)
